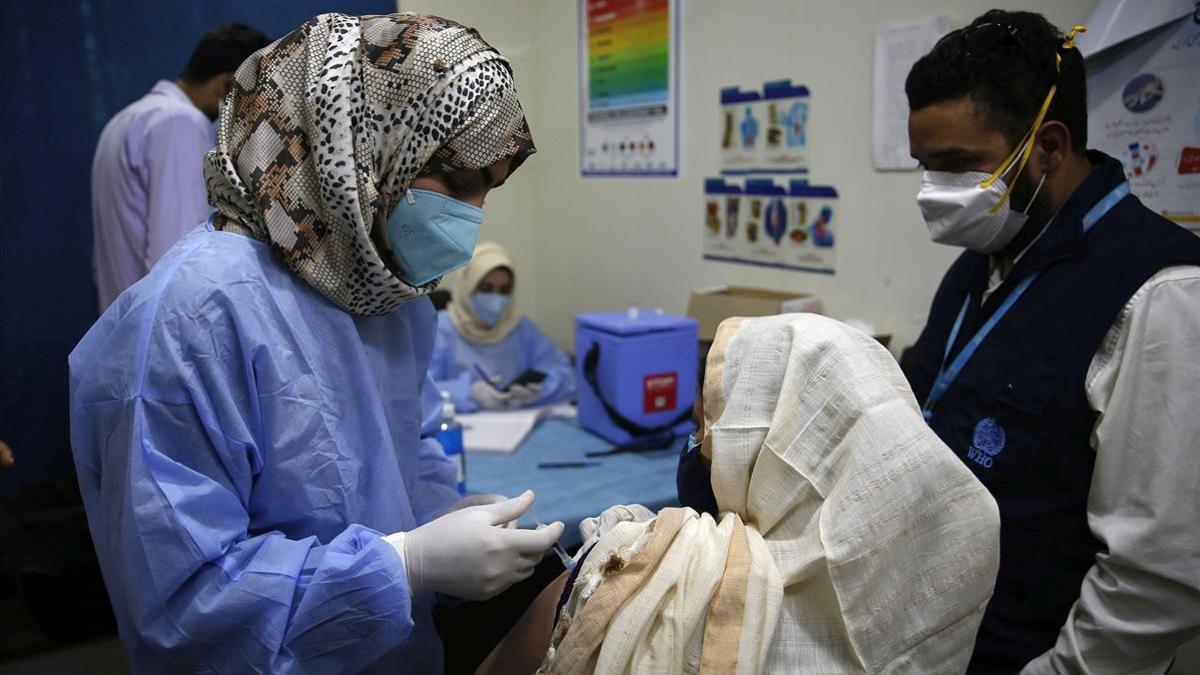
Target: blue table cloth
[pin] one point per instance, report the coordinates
(570, 495)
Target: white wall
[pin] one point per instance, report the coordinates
(598, 244)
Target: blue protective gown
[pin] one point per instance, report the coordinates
(241, 445)
(525, 348)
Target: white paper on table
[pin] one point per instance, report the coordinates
(897, 48)
(503, 430)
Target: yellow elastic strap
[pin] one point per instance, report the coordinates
(1004, 166)
(1026, 143)
(1070, 43)
(1024, 147)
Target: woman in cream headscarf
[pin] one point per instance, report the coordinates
(480, 330)
(848, 538)
(248, 420)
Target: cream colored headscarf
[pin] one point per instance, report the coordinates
(488, 256)
(851, 538)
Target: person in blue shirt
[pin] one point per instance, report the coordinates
(252, 422)
(480, 333)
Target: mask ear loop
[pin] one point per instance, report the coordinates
(1025, 148)
(1035, 193)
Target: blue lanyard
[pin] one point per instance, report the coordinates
(948, 373)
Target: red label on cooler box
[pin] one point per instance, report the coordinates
(661, 392)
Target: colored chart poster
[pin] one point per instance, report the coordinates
(1144, 109)
(629, 87)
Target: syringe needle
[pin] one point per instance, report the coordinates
(567, 561)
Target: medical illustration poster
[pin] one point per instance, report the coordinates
(765, 223)
(765, 132)
(1144, 109)
(785, 142)
(739, 131)
(629, 87)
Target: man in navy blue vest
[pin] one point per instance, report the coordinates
(1061, 360)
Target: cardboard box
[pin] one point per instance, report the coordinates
(711, 306)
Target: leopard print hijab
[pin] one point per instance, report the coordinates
(324, 130)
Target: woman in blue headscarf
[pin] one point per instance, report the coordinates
(252, 421)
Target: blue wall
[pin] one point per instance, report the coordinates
(68, 66)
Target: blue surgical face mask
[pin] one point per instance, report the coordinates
(432, 235)
(692, 480)
(489, 307)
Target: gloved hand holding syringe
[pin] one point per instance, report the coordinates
(471, 551)
(484, 499)
(567, 561)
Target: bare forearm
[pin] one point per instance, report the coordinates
(522, 649)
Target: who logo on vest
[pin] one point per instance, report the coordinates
(987, 442)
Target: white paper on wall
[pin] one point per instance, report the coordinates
(897, 48)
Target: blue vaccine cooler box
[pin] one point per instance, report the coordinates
(637, 374)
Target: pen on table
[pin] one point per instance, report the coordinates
(567, 465)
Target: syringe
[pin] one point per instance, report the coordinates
(567, 561)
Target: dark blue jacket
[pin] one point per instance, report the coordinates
(1018, 416)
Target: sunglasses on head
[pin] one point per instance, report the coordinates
(985, 37)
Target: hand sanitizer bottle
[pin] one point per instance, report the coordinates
(450, 435)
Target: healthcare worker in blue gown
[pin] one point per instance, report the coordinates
(252, 422)
(480, 333)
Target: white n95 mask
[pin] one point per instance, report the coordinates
(960, 211)
(971, 209)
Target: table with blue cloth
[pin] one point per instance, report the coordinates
(570, 495)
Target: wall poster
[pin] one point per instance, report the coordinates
(629, 87)
(1144, 109)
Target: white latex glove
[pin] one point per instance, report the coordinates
(489, 397)
(524, 395)
(470, 554)
(591, 529)
(476, 500)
